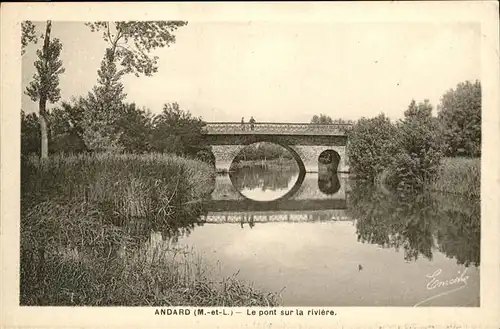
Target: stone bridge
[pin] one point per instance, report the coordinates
(304, 141)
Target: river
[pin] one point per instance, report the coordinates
(327, 240)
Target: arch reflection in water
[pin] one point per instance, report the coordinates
(328, 181)
(265, 172)
(262, 183)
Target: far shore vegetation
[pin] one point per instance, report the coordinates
(458, 176)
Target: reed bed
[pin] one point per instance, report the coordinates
(86, 224)
(459, 176)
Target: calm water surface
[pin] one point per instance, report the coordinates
(336, 242)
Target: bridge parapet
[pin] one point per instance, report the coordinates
(231, 128)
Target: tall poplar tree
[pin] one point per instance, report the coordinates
(45, 85)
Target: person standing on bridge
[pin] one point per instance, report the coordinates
(252, 122)
(242, 123)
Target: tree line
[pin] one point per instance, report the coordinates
(102, 120)
(137, 130)
(407, 153)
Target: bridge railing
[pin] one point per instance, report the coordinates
(271, 127)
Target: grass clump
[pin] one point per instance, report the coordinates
(157, 188)
(458, 176)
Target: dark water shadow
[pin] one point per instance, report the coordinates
(328, 180)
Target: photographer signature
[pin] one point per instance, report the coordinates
(436, 283)
(460, 282)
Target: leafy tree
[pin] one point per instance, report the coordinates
(30, 133)
(176, 131)
(325, 119)
(131, 42)
(102, 108)
(45, 84)
(343, 122)
(371, 144)
(418, 152)
(66, 129)
(321, 119)
(460, 118)
(28, 34)
(66, 119)
(135, 126)
(128, 51)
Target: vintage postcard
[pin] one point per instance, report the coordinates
(250, 165)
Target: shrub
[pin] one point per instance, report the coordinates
(371, 143)
(177, 131)
(417, 149)
(460, 120)
(30, 134)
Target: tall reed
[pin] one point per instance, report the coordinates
(458, 176)
(85, 225)
(153, 186)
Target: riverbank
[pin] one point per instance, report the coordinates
(86, 224)
(458, 176)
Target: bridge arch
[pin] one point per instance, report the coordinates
(298, 182)
(328, 159)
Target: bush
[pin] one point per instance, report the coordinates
(371, 143)
(460, 120)
(418, 152)
(176, 131)
(30, 134)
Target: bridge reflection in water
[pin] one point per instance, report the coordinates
(307, 204)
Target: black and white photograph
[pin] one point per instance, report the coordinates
(251, 164)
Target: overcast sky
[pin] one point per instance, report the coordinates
(284, 72)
